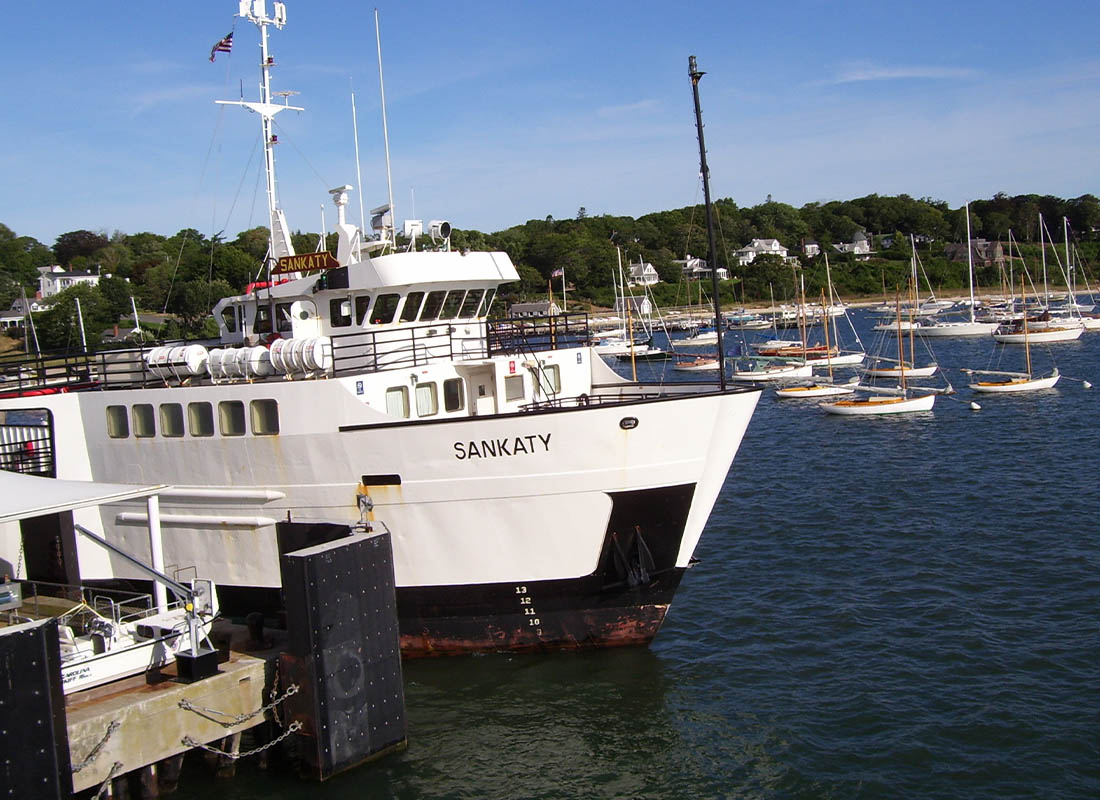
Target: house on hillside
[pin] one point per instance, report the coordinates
(985, 253)
(860, 246)
(810, 248)
(642, 274)
(56, 279)
(638, 306)
(760, 247)
(16, 316)
(694, 269)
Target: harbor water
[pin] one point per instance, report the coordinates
(884, 607)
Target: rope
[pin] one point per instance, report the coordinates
(94, 753)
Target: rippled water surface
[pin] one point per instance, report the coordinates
(885, 607)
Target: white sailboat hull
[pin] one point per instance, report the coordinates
(896, 372)
(774, 373)
(1041, 336)
(880, 405)
(941, 329)
(816, 390)
(1015, 385)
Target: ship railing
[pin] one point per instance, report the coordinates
(63, 371)
(614, 394)
(413, 346)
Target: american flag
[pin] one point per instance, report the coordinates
(557, 273)
(224, 45)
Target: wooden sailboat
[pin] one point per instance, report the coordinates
(811, 390)
(1015, 381)
(883, 367)
(884, 400)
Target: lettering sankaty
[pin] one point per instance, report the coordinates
(500, 448)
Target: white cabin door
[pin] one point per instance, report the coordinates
(481, 387)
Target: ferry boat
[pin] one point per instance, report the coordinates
(537, 499)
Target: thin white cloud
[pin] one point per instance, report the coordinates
(628, 109)
(866, 73)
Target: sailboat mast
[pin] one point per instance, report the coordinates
(385, 129)
(969, 262)
(712, 253)
(1043, 248)
(901, 343)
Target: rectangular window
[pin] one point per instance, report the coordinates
(471, 303)
(384, 309)
(432, 306)
(283, 321)
(171, 420)
(411, 309)
(263, 319)
(200, 419)
(362, 305)
(339, 312)
(427, 403)
(231, 417)
(454, 394)
(397, 401)
(550, 378)
(144, 421)
(118, 422)
(513, 388)
(265, 417)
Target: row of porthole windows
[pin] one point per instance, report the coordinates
(144, 419)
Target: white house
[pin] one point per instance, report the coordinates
(54, 279)
(639, 306)
(810, 248)
(758, 247)
(16, 316)
(860, 246)
(696, 268)
(642, 274)
(541, 308)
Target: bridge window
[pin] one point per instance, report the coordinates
(487, 303)
(118, 422)
(229, 318)
(265, 417)
(454, 394)
(412, 306)
(384, 309)
(432, 306)
(171, 420)
(362, 304)
(144, 421)
(452, 303)
(284, 323)
(339, 312)
(550, 378)
(263, 319)
(231, 417)
(427, 403)
(397, 401)
(200, 419)
(471, 303)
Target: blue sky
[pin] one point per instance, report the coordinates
(503, 112)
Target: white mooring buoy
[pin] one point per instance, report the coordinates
(974, 406)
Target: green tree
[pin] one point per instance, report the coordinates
(58, 326)
(78, 243)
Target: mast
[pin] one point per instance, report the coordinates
(712, 254)
(1043, 248)
(385, 130)
(256, 13)
(969, 263)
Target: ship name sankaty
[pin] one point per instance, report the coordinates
(499, 448)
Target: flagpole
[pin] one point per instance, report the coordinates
(564, 300)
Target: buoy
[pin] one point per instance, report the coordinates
(1086, 384)
(975, 407)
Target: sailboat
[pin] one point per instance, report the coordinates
(827, 389)
(971, 327)
(881, 366)
(1015, 381)
(885, 400)
(621, 343)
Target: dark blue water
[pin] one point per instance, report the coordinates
(902, 607)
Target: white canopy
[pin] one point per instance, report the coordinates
(23, 496)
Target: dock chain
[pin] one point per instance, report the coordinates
(235, 719)
(291, 728)
(94, 753)
(115, 768)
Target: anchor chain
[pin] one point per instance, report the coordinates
(292, 728)
(235, 719)
(94, 753)
(107, 781)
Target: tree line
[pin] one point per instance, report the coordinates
(185, 274)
